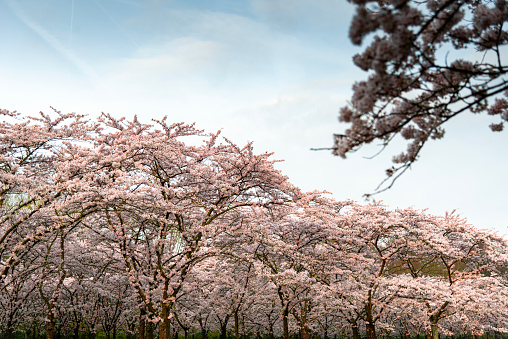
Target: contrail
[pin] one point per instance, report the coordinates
(51, 40)
(72, 21)
(116, 23)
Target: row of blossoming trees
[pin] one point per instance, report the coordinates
(112, 226)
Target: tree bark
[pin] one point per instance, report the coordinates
(304, 332)
(149, 330)
(223, 332)
(164, 327)
(285, 324)
(371, 330)
(75, 333)
(9, 333)
(141, 330)
(356, 334)
(237, 336)
(435, 331)
(204, 332)
(50, 327)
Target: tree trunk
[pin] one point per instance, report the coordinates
(371, 330)
(223, 332)
(237, 336)
(149, 330)
(356, 335)
(270, 332)
(435, 331)
(141, 330)
(50, 327)
(8, 333)
(285, 324)
(204, 332)
(304, 332)
(164, 327)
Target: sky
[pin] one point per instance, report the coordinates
(274, 72)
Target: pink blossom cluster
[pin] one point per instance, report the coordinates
(411, 89)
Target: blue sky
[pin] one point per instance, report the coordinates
(274, 72)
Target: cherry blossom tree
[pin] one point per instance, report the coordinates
(366, 244)
(166, 202)
(455, 267)
(419, 75)
(290, 255)
(42, 172)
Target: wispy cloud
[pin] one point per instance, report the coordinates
(51, 40)
(116, 24)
